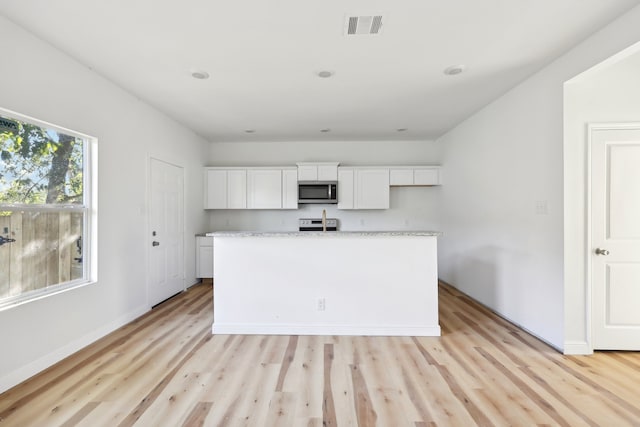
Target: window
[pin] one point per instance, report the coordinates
(46, 209)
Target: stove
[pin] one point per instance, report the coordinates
(315, 224)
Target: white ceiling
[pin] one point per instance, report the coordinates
(263, 57)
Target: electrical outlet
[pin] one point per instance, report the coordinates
(321, 304)
(361, 221)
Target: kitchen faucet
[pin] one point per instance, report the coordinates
(324, 220)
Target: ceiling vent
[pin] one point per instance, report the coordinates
(359, 25)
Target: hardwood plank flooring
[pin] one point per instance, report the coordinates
(167, 369)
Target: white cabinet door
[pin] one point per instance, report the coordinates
(408, 176)
(426, 176)
(204, 257)
(401, 176)
(289, 189)
(225, 189)
(307, 173)
(327, 172)
(237, 189)
(264, 188)
(313, 171)
(363, 188)
(215, 189)
(372, 189)
(345, 188)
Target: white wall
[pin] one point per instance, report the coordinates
(39, 81)
(411, 208)
(498, 164)
(608, 93)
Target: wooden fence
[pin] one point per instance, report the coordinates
(47, 250)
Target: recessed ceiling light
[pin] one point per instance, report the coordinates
(401, 129)
(454, 70)
(325, 130)
(325, 74)
(199, 74)
(249, 130)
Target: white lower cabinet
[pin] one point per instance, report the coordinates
(363, 188)
(204, 257)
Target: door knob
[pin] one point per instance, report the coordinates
(601, 251)
(156, 243)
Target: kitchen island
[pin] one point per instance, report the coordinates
(326, 283)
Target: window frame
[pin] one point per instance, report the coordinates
(89, 208)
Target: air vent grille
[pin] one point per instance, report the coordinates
(359, 25)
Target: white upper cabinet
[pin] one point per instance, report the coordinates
(225, 188)
(418, 175)
(345, 188)
(402, 176)
(363, 188)
(215, 196)
(290, 188)
(237, 189)
(264, 188)
(251, 188)
(372, 188)
(272, 188)
(317, 171)
(359, 187)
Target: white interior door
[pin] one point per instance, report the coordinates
(615, 238)
(166, 234)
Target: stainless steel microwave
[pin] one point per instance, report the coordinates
(317, 192)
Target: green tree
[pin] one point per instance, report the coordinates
(39, 165)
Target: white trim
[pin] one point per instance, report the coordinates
(577, 348)
(89, 208)
(592, 128)
(25, 372)
(319, 329)
(43, 123)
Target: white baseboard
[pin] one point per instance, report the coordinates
(315, 329)
(577, 348)
(25, 372)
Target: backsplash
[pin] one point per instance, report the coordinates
(412, 208)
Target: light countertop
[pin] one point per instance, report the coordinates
(398, 233)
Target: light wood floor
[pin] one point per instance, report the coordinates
(166, 369)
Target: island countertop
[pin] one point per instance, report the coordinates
(398, 233)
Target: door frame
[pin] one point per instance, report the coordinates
(147, 213)
(591, 129)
